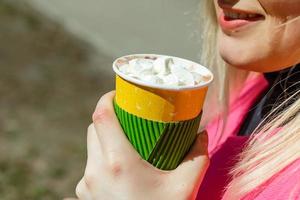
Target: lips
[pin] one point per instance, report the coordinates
(233, 19)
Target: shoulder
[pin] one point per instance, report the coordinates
(284, 185)
(240, 103)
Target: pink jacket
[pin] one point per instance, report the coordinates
(223, 150)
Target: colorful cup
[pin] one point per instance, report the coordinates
(161, 122)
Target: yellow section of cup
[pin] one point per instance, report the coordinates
(159, 104)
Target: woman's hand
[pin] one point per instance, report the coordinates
(115, 171)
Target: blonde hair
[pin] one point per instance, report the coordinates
(266, 153)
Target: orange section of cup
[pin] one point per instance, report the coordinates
(159, 104)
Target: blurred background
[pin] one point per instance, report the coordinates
(55, 63)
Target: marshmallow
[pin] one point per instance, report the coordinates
(164, 71)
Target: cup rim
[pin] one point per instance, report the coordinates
(163, 87)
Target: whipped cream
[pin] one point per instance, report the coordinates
(164, 71)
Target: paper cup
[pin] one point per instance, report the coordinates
(161, 122)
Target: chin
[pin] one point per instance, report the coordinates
(244, 54)
(256, 64)
(243, 63)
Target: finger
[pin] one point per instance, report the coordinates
(95, 155)
(93, 146)
(82, 191)
(199, 148)
(109, 131)
(195, 162)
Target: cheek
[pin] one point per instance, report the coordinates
(289, 45)
(281, 8)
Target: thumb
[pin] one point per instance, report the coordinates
(193, 167)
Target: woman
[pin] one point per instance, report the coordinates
(257, 117)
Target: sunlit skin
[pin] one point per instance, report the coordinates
(269, 44)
